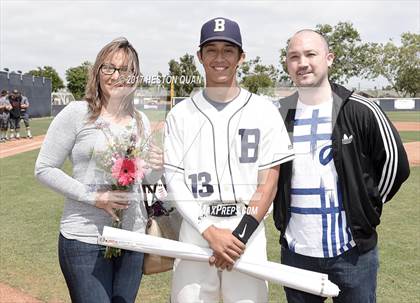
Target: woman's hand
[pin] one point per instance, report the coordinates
(110, 200)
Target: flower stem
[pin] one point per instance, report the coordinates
(114, 251)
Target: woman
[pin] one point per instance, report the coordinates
(81, 131)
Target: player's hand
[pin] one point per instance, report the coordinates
(226, 247)
(110, 200)
(155, 157)
(220, 263)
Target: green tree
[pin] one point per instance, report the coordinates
(185, 75)
(48, 72)
(400, 66)
(352, 57)
(255, 76)
(77, 78)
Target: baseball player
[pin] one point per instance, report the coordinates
(223, 147)
(15, 100)
(24, 115)
(5, 107)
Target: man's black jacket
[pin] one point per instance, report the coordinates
(369, 157)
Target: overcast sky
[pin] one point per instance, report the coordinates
(63, 34)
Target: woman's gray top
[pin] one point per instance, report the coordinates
(71, 135)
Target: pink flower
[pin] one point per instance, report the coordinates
(124, 171)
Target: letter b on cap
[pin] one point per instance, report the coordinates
(219, 25)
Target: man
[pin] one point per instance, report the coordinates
(349, 161)
(223, 147)
(15, 100)
(5, 107)
(24, 115)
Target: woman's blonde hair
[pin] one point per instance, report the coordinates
(94, 95)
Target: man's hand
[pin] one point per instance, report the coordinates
(226, 247)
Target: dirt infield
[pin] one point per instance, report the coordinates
(413, 152)
(407, 126)
(12, 295)
(11, 148)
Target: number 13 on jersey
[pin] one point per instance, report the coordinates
(200, 184)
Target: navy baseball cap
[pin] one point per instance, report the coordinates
(221, 29)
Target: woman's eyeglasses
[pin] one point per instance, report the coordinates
(108, 69)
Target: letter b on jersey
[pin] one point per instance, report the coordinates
(219, 25)
(250, 138)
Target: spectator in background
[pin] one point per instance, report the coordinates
(5, 107)
(15, 100)
(24, 114)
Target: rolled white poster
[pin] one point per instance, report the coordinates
(296, 278)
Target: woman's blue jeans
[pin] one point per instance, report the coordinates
(91, 278)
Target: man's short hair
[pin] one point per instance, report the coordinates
(321, 35)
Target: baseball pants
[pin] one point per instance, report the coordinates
(200, 282)
(25, 117)
(4, 121)
(14, 123)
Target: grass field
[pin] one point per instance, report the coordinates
(39, 126)
(29, 224)
(404, 116)
(410, 136)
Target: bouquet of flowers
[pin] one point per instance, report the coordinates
(123, 164)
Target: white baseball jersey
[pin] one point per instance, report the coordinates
(213, 155)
